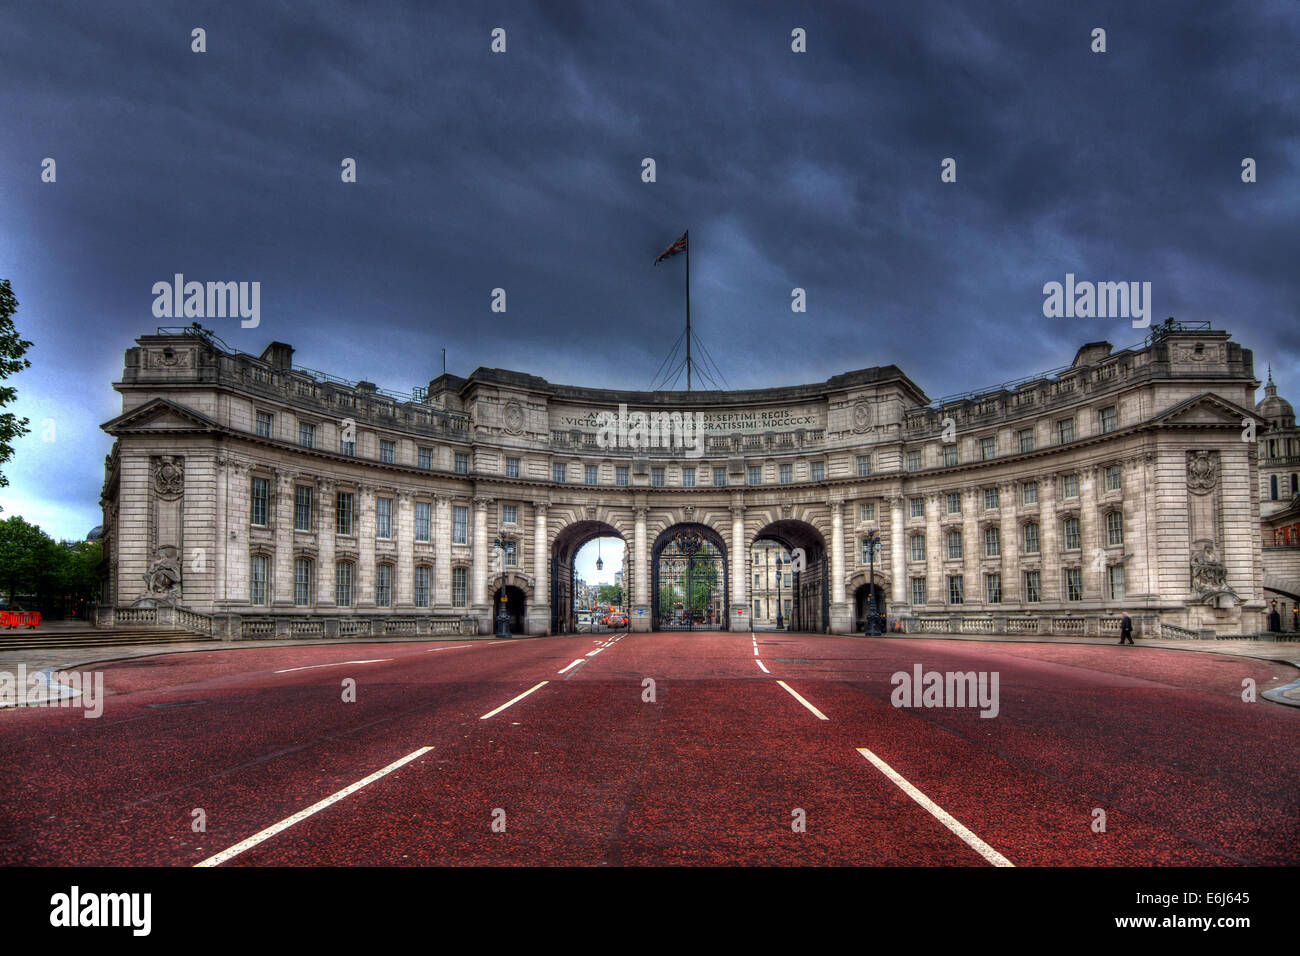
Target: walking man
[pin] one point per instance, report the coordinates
(1125, 629)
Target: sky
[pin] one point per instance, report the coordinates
(523, 170)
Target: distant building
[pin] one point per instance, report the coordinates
(1278, 440)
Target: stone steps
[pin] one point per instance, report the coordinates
(31, 640)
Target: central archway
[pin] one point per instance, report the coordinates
(689, 579)
(564, 552)
(808, 594)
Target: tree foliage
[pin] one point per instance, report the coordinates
(33, 565)
(12, 350)
(609, 594)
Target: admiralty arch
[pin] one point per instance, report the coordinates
(248, 497)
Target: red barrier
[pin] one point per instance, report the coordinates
(12, 619)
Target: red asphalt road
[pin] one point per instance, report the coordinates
(588, 773)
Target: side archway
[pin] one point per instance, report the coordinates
(564, 551)
(809, 573)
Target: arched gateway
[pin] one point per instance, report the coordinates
(328, 507)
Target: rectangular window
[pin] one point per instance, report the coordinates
(343, 584)
(1115, 578)
(591, 474)
(459, 587)
(1070, 486)
(1026, 437)
(818, 469)
(916, 507)
(866, 550)
(992, 542)
(462, 463)
(954, 503)
(387, 451)
(954, 545)
(265, 424)
(1033, 587)
(301, 508)
(918, 590)
(949, 455)
(421, 586)
(1114, 478)
(657, 477)
(257, 579)
(864, 466)
(1114, 528)
(348, 448)
(510, 514)
(988, 448)
(424, 458)
(343, 513)
(955, 593)
(301, 582)
(559, 472)
(1074, 584)
(459, 524)
(383, 517)
(913, 461)
(622, 477)
(511, 553)
(993, 588)
(787, 579)
(261, 493)
(786, 474)
(755, 474)
(422, 521)
(918, 547)
(306, 435)
(384, 585)
(991, 499)
(688, 477)
(1031, 538)
(512, 467)
(1065, 430)
(758, 579)
(1072, 537)
(867, 513)
(1029, 493)
(719, 477)
(758, 609)
(1109, 419)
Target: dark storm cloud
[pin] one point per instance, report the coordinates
(522, 171)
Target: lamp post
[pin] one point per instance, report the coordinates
(873, 618)
(503, 620)
(780, 620)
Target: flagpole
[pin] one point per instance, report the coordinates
(688, 310)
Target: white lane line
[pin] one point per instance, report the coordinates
(760, 664)
(437, 649)
(755, 650)
(595, 652)
(796, 695)
(301, 815)
(493, 713)
(938, 812)
(571, 666)
(289, 670)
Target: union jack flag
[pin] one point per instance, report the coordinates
(676, 247)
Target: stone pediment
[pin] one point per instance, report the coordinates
(160, 414)
(1206, 409)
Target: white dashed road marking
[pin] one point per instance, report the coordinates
(794, 693)
(493, 713)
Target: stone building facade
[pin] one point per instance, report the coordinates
(1279, 497)
(250, 497)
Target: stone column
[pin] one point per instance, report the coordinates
(282, 570)
(1047, 543)
(224, 526)
(972, 547)
(442, 552)
(640, 620)
(738, 565)
(539, 612)
(364, 584)
(404, 586)
(841, 614)
(898, 551)
(936, 587)
(479, 572)
(1009, 531)
(325, 526)
(1091, 538)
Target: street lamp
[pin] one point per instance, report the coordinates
(503, 620)
(874, 621)
(780, 621)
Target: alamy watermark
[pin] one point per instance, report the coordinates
(208, 300)
(1099, 300)
(948, 689)
(53, 689)
(681, 432)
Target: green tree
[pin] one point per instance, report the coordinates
(30, 562)
(12, 350)
(610, 594)
(78, 570)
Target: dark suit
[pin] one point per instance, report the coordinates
(1126, 630)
